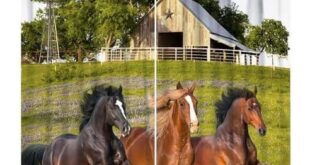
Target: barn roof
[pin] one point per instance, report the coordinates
(218, 32)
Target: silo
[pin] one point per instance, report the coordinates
(255, 11)
(224, 3)
(27, 10)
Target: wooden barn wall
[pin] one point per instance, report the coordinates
(144, 34)
(194, 33)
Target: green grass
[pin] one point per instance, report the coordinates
(52, 108)
(33, 75)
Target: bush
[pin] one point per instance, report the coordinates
(48, 78)
(62, 73)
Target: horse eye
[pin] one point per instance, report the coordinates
(250, 108)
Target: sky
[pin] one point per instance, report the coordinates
(273, 9)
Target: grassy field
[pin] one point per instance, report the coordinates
(51, 95)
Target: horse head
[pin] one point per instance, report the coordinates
(117, 116)
(188, 106)
(252, 114)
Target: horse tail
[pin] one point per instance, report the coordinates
(33, 154)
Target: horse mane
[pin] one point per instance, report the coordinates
(168, 95)
(222, 106)
(92, 96)
(163, 117)
(163, 110)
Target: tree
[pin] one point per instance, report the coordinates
(114, 21)
(32, 32)
(213, 8)
(31, 36)
(79, 20)
(233, 20)
(270, 36)
(87, 25)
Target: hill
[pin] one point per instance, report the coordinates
(51, 95)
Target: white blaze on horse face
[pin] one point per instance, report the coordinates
(192, 112)
(120, 105)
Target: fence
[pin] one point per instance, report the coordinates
(176, 53)
(275, 60)
(182, 53)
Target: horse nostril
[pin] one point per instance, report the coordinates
(128, 129)
(262, 131)
(124, 129)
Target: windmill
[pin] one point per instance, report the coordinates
(49, 50)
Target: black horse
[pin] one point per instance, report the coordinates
(91, 97)
(93, 145)
(33, 154)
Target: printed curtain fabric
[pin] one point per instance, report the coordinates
(177, 88)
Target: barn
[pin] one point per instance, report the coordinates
(186, 31)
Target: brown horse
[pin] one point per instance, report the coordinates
(231, 143)
(176, 117)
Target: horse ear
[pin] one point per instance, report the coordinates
(179, 86)
(113, 99)
(120, 89)
(255, 90)
(193, 87)
(109, 89)
(90, 92)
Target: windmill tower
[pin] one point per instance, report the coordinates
(49, 50)
(255, 12)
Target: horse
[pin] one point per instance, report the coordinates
(94, 143)
(231, 143)
(176, 118)
(33, 154)
(90, 98)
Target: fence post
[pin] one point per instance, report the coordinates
(175, 54)
(237, 58)
(162, 54)
(191, 54)
(111, 55)
(240, 57)
(209, 54)
(234, 56)
(257, 59)
(224, 56)
(250, 59)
